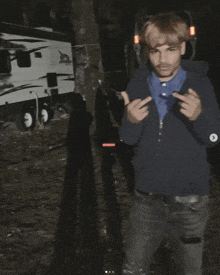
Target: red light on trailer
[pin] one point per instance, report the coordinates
(136, 39)
(108, 144)
(192, 30)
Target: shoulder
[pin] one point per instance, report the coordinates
(196, 74)
(198, 80)
(142, 71)
(137, 86)
(198, 67)
(203, 87)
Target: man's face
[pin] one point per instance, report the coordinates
(166, 60)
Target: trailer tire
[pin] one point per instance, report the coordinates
(46, 114)
(25, 120)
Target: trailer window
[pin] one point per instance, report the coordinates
(23, 59)
(38, 55)
(5, 63)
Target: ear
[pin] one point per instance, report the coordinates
(183, 48)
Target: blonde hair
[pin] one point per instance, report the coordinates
(164, 28)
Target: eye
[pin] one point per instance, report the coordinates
(172, 49)
(153, 51)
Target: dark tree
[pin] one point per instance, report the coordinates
(11, 11)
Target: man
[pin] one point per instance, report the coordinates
(172, 116)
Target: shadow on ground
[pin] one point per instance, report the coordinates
(77, 244)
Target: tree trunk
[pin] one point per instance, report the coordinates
(87, 52)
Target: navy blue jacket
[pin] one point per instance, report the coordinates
(171, 158)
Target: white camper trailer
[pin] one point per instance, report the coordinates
(36, 73)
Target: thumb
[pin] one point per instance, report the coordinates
(125, 97)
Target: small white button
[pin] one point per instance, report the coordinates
(164, 84)
(164, 94)
(213, 137)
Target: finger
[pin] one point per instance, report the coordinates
(143, 109)
(145, 101)
(184, 105)
(133, 103)
(176, 95)
(125, 97)
(185, 112)
(181, 97)
(143, 115)
(192, 92)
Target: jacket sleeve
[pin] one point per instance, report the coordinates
(207, 125)
(130, 132)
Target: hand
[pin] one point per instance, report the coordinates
(135, 110)
(191, 104)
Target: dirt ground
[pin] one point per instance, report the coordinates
(32, 175)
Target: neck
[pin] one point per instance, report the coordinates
(165, 79)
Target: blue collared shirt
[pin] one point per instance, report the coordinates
(162, 91)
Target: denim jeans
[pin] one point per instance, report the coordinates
(153, 219)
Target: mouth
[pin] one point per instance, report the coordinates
(163, 68)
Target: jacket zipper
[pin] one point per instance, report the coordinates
(159, 138)
(160, 130)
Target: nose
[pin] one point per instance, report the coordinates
(163, 57)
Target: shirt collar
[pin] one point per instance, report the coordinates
(174, 84)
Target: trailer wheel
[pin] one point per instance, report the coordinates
(25, 120)
(28, 120)
(46, 114)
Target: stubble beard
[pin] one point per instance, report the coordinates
(171, 72)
